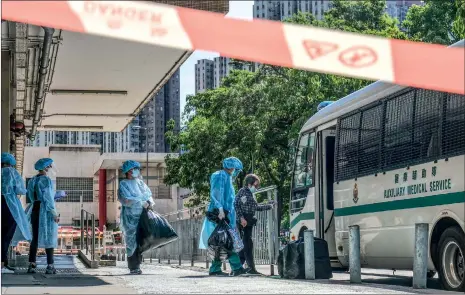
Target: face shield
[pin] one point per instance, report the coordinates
(235, 173)
(52, 171)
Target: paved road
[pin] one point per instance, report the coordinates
(159, 278)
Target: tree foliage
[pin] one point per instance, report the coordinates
(256, 116)
(438, 21)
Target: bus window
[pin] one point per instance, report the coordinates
(303, 174)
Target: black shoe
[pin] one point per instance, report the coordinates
(254, 272)
(50, 270)
(238, 272)
(32, 268)
(136, 271)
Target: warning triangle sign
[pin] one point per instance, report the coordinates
(316, 49)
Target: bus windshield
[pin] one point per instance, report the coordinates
(303, 173)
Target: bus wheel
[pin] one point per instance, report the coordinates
(451, 259)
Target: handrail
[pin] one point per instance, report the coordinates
(85, 216)
(261, 190)
(266, 189)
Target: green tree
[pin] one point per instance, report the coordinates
(438, 21)
(257, 116)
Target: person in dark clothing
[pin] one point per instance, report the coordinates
(246, 205)
(44, 216)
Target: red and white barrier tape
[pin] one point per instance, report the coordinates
(407, 63)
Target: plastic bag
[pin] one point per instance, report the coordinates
(281, 263)
(154, 231)
(237, 241)
(293, 261)
(220, 243)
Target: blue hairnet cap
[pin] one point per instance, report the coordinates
(8, 159)
(130, 164)
(232, 163)
(43, 163)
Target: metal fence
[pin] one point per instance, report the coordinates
(188, 224)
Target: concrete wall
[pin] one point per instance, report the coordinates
(74, 163)
(6, 101)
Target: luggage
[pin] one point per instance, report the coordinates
(154, 231)
(323, 268)
(291, 260)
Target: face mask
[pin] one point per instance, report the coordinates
(135, 173)
(253, 189)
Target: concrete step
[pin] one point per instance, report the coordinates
(87, 260)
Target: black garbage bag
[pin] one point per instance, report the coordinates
(281, 263)
(220, 242)
(154, 231)
(293, 258)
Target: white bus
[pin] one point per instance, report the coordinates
(384, 158)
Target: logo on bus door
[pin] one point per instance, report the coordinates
(355, 193)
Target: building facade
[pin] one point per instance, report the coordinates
(79, 168)
(281, 10)
(204, 70)
(398, 9)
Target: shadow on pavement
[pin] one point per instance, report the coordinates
(68, 275)
(33, 280)
(397, 280)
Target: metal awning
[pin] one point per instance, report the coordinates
(115, 160)
(101, 84)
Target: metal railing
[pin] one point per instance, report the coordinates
(86, 234)
(188, 224)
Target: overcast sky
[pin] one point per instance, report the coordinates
(237, 9)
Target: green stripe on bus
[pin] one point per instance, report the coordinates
(436, 200)
(303, 216)
(430, 201)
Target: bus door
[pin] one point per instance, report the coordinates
(326, 229)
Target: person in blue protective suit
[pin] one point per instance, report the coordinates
(222, 197)
(134, 196)
(13, 215)
(44, 216)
